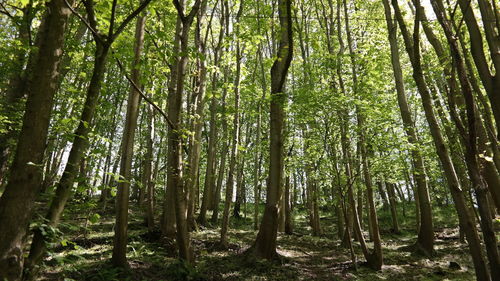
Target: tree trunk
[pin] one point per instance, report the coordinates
(288, 209)
(393, 203)
(174, 160)
(425, 239)
(148, 181)
(209, 186)
(465, 218)
(374, 259)
(197, 126)
(168, 225)
(235, 137)
(222, 165)
(12, 107)
(240, 184)
(265, 243)
(471, 153)
(491, 82)
(127, 151)
(17, 201)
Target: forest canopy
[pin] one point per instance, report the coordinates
(249, 140)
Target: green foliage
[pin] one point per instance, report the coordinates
(180, 270)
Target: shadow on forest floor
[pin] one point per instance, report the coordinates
(86, 257)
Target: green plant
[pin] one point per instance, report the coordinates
(180, 270)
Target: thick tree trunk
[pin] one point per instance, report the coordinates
(80, 144)
(265, 243)
(17, 201)
(11, 106)
(168, 226)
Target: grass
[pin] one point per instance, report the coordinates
(83, 253)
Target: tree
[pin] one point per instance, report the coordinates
(80, 141)
(265, 243)
(17, 201)
(234, 137)
(466, 220)
(174, 160)
(119, 257)
(425, 241)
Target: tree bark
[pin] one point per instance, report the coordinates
(197, 126)
(12, 107)
(148, 181)
(471, 153)
(425, 239)
(17, 201)
(174, 159)
(127, 151)
(209, 186)
(465, 218)
(235, 137)
(393, 203)
(490, 81)
(265, 243)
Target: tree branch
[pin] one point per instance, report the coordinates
(89, 7)
(130, 17)
(112, 19)
(148, 100)
(87, 24)
(180, 9)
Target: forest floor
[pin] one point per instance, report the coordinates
(84, 250)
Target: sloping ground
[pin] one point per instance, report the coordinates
(83, 254)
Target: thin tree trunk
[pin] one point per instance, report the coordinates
(425, 239)
(127, 151)
(209, 185)
(148, 181)
(471, 154)
(465, 218)
(235, 138)
(393, 203)
(174, 160)
(288, 209)
(197, 126)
